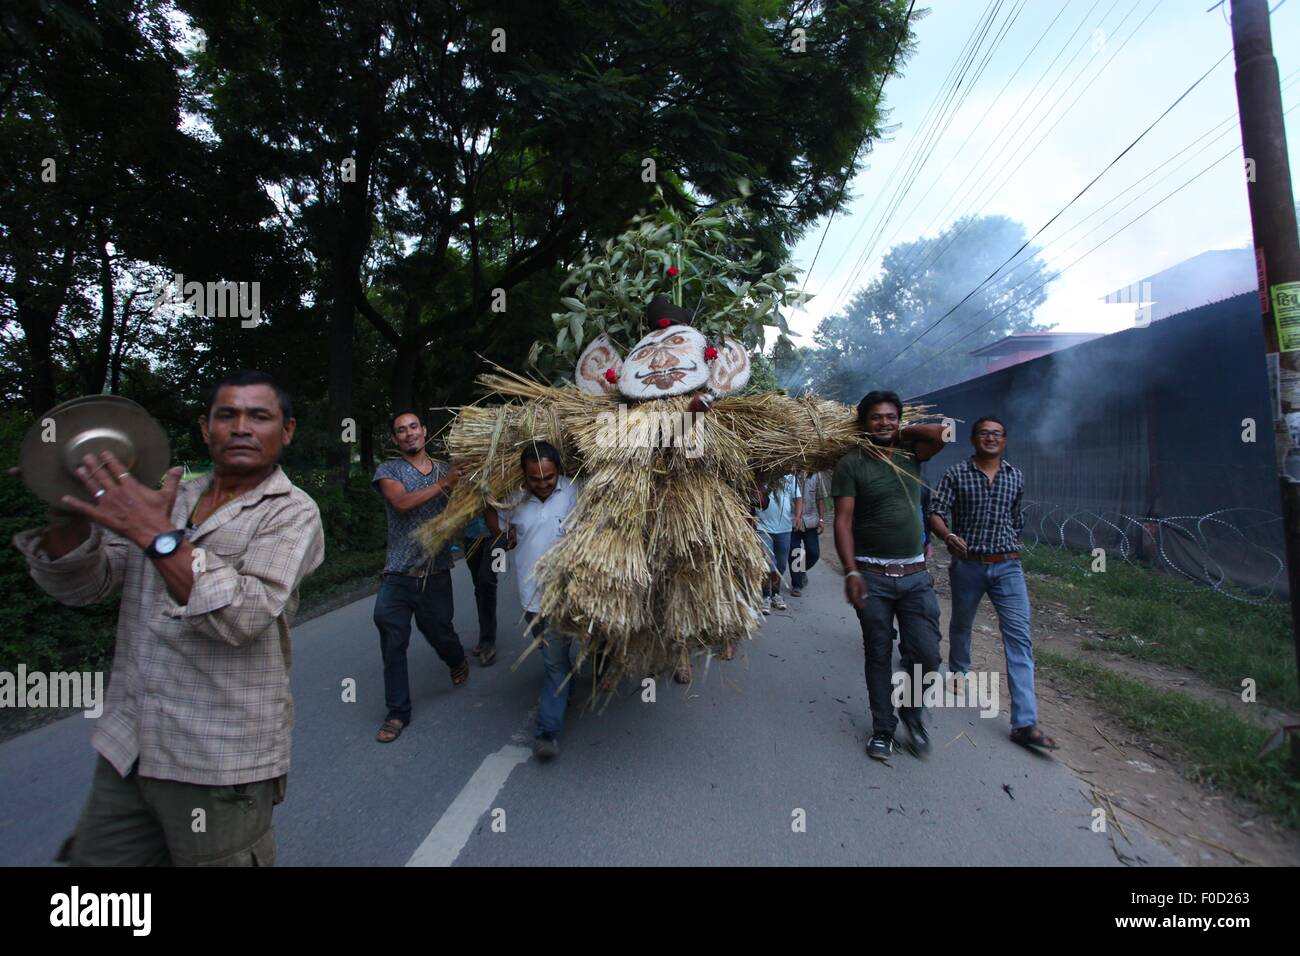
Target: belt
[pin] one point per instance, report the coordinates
(891, 570)
(414, 574)
(994, 558)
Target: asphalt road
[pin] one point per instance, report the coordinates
(761, 761)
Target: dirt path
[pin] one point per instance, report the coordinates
(1134, 779)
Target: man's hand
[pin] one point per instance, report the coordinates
(453, 475)
(956, 546)
(855, 589)
(61, 517)
(700, 404)
(122, 504)
(512, 539)
(821, 525)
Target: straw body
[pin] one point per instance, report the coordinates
(659, 558)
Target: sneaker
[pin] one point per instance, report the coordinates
(766, 606)
(796, 592)
(880, 747)
(546, 745)
(918, 738)
(779, 603)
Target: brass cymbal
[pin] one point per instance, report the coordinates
(88, 425)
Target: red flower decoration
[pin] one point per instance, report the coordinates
(611, 375)
(672, 270)
(664, 323)
(710, 354)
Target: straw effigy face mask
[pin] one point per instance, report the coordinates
(667, 362)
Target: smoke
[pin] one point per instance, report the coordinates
(1060, 394)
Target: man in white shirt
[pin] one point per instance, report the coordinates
(532, 524)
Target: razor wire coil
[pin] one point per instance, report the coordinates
(1212, 551)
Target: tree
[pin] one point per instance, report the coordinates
(795, 367)
(490, 142)
(701, 262)
(101, 180)
(878, 341)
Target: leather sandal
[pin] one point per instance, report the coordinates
(390, 731)
(1032, 736)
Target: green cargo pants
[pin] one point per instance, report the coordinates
(141, 821)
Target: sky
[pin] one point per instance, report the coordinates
(1131, 60)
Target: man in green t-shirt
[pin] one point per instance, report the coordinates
(880, 540)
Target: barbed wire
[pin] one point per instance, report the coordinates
(1236, 552)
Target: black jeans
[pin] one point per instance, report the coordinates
(478, 558)
(810, 541)
(912, 600)
(400, 596)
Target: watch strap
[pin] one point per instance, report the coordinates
(175, 535)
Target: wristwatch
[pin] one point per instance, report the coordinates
(165, 544)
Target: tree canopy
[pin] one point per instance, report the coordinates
(408, 163)
(880, 340)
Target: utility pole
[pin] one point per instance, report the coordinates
(1277, 262)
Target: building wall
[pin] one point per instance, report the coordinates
(1144, 426)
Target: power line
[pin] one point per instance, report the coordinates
(1288, 82)
(934, 253)
(931, 141)
(865, 133)
(980, 121)
(921, 131)
(1235, 149)
(860, 263)
(1058, 214)
(1075, 262)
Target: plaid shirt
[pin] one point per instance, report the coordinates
(986, 515)
(199, 692)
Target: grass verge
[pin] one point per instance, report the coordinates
(338, 575)
(1220, 746)
(1201, 631)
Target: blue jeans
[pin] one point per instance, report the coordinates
(810, 541)
(555, 668)
(777, 548)
(400, 596)
(1005, 584)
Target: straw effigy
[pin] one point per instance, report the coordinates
(659, 558)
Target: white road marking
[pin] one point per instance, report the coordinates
(456, 825)
(454, 828)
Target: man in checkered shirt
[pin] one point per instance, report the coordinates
(976, 512)
(194, 738)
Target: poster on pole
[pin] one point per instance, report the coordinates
(1286, 313)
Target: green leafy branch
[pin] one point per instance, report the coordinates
(714, 277)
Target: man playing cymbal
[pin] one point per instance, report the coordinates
(194, 738)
